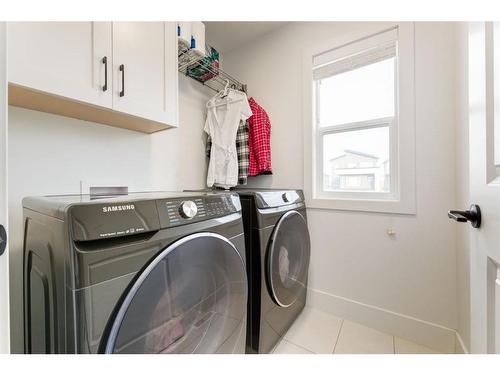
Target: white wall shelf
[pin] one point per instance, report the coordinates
(190, 61)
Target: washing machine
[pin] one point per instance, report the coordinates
(278, 250)
(140, 273)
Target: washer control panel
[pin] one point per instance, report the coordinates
(183, 211)
(276, 198)
(217, 207)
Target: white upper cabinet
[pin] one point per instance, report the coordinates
(62, 58)
(145, 70)
(123, 74)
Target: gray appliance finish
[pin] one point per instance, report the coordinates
(142, 273)
(278, 250)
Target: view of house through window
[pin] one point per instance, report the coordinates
(355, 113)
(357, 160)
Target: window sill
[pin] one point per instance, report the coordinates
(364, 205)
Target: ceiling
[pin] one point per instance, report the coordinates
(226, 36)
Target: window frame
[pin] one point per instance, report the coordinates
(401, 198)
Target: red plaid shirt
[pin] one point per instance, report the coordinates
(259, 140)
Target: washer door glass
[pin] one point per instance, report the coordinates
(288, 259)
(191, 298)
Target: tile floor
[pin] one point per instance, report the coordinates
(316, 332)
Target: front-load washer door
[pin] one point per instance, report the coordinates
(288, 259)
(190, 298)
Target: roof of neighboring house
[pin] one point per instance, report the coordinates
(355, 153)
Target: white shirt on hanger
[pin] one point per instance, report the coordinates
(223, 118)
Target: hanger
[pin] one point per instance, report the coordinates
(226, 88)
(222, 94)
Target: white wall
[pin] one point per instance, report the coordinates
(462, 182)
(414, 273)
(51, 154)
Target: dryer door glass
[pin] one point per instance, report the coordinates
(288, 259)
(191, 298)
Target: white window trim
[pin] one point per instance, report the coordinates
(402, 131)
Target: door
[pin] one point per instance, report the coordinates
(484, 138)
(4, 260)
(145, 70)
(191, 298)
(69, 59)
(288, 259)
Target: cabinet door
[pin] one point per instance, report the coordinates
(62, 58)
(145, 70)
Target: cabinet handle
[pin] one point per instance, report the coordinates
(105, 62)
(122, 69)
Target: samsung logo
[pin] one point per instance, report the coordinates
(123, 207)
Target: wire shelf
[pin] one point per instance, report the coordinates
(208, 74)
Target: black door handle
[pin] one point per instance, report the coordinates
(105, 62)
(3, 239)
(473, 215)
(122, 69)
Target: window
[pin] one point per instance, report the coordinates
(358, 148)
(355, 106)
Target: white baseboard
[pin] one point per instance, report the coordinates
(425, 333)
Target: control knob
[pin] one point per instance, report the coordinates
(188, 209)
(287, 197)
